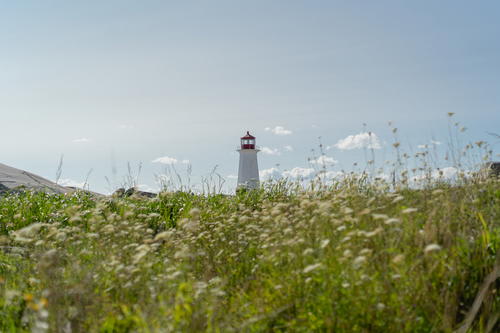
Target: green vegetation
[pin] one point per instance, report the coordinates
(349, 257)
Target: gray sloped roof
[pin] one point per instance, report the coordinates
(12, 179)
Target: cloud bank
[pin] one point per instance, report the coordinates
(324, 160)
(71, 183)
(169, 160)
(270, 151)
(278, 130)
(358, 141)
(165, 160)
(81, 140)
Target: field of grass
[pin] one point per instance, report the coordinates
(354, 256)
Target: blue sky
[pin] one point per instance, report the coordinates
(111, 82)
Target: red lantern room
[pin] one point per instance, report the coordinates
(248, 141)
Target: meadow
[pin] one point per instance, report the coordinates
(353, 256)
(356, 254)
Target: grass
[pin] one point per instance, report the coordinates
(354, 256)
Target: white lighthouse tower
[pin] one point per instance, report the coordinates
(248, 172)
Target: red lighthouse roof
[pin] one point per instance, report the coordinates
(248, 136)
(248, 141)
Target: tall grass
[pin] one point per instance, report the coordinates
(347, 257)
(359, 253)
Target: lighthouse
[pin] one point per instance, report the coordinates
(248, 171)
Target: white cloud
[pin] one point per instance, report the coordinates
(147, 188)
(81, 140)
(425, 146)
(278, 130)
(125, 126)
(361, 140)
(271, 173)
(288, 148)
(324, 160)
(299, 173)
(331, 176)
(270, 151)
(71, 183)
(165, 160)
(445, 173)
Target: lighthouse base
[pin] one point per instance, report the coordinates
(248, 172)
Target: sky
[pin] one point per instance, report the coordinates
(166, 84)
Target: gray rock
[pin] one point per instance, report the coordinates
(494, 168)
(122, 193)
(15, 180)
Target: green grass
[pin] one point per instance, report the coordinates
(351, 257)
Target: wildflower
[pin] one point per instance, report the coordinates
(366, 252)
(432, 248)
(364, 211)
(311, 268)
(380, 216)
(398, 259)
(308, 251)
(365, 277)
(374, 232)
(218, 292)
(392, 221)
(346, 239)
(162, 236)
(61, 236)
(347, 210)
(409, 210)
(11, 294)
(142, 251)
(324, 243)
(347, 253)
(108, 229)
(359, 261)
(380, 306)
(25, 234)
(397, 199)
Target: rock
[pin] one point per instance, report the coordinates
(122, 193)
(16, 180)
(490, 169)
(494, 168)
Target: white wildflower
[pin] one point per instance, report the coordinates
(324, 243)
(347, 254)
(392, 221)
(380, 216)
(308, 251)
(359, 261)
(366, 252)
(432, 248)
(311, 268)
(397, 199)
(398, 259)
